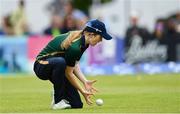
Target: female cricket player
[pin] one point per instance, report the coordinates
(58, 62)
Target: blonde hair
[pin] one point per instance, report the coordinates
(74, 35)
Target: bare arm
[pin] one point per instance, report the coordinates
(79, 74)
(72, 79)
(87, 83)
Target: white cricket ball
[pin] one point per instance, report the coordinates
(99, 102)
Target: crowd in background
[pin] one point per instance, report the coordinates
(166, 32)
(64, 18)
(15, 23)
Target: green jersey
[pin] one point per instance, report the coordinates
(72, 54)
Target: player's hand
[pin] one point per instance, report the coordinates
(87, 96)
(89, 86)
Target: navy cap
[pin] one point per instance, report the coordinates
(97, 27)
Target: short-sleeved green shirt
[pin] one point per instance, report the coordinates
(72, 54)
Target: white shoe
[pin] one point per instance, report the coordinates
(63, 104)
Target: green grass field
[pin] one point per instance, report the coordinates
(121, 94)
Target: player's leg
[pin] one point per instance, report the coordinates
(53, 69)
(42, 69)
(72, 95)
(58, 65)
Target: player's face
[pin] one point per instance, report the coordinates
(93, 38)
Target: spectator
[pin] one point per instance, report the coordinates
(19, 21)
(64, 8)
(136, 30)
(77, 14)
(69, 23)
(56, 6)
(56, 26)
(172, 37)
(7, 27)
(159, 31)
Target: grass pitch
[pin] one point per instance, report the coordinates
(121, 94)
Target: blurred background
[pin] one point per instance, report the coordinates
(146, 34)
